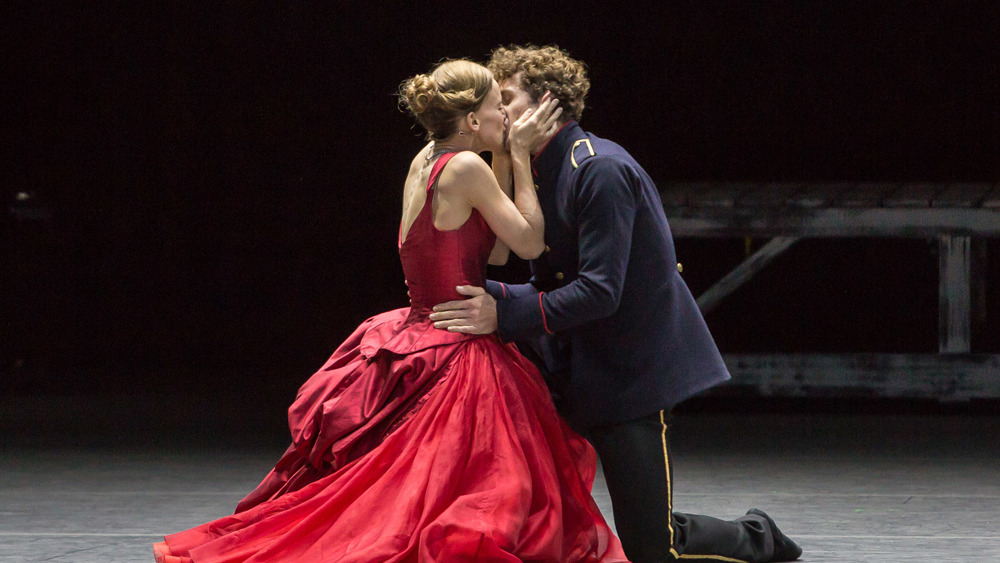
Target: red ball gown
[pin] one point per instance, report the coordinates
(420, 445)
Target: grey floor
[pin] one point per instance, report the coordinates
(852, 487)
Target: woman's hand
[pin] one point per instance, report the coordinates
(535, 127)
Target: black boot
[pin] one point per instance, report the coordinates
(784, 548)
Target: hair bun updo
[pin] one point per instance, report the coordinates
(438, 100)
(418, 93)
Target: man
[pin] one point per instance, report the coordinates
(610, 322)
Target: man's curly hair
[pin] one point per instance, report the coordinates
(544, 68)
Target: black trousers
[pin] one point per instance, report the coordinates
(636, 460)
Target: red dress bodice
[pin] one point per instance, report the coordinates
(435, 261)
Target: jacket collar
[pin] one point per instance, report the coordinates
(547, 164)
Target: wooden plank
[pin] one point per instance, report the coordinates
(931, 376)
(978, 284)
(912, 195)
(675, 195)
(961, 195)
(715, 194)
(863, 195)
(992, 199)
(834, 222)
(746, 270)
(814, 196)
(768, 196)
(954, 295)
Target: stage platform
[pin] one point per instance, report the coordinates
(102, 479)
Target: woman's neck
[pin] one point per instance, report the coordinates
(456, 142)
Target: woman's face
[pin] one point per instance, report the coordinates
(492, 121)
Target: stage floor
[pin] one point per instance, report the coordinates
(847, 487)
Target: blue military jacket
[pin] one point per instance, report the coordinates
(613, 322)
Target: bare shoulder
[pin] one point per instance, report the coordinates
(468, 162)
(465, 170)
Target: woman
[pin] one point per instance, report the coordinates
(419, 444)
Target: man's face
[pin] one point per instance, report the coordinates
(514, 98)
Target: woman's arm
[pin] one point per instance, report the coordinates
(518, 223)
(503, 170)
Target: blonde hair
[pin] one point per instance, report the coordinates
(544, 68)
(440, 99)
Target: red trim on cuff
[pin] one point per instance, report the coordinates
(545, 323)
(503, 286)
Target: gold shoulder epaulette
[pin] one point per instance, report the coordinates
(572, 152)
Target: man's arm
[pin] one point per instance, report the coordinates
(606, 206)
(478, 313)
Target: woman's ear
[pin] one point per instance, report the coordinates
(472, 121)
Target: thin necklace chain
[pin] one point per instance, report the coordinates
(436, 152)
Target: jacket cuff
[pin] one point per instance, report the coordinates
(519, 318)
(497, 290)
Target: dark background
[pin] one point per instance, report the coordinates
(215, 189)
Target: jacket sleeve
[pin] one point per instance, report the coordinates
(605, 208)
(500, 290)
